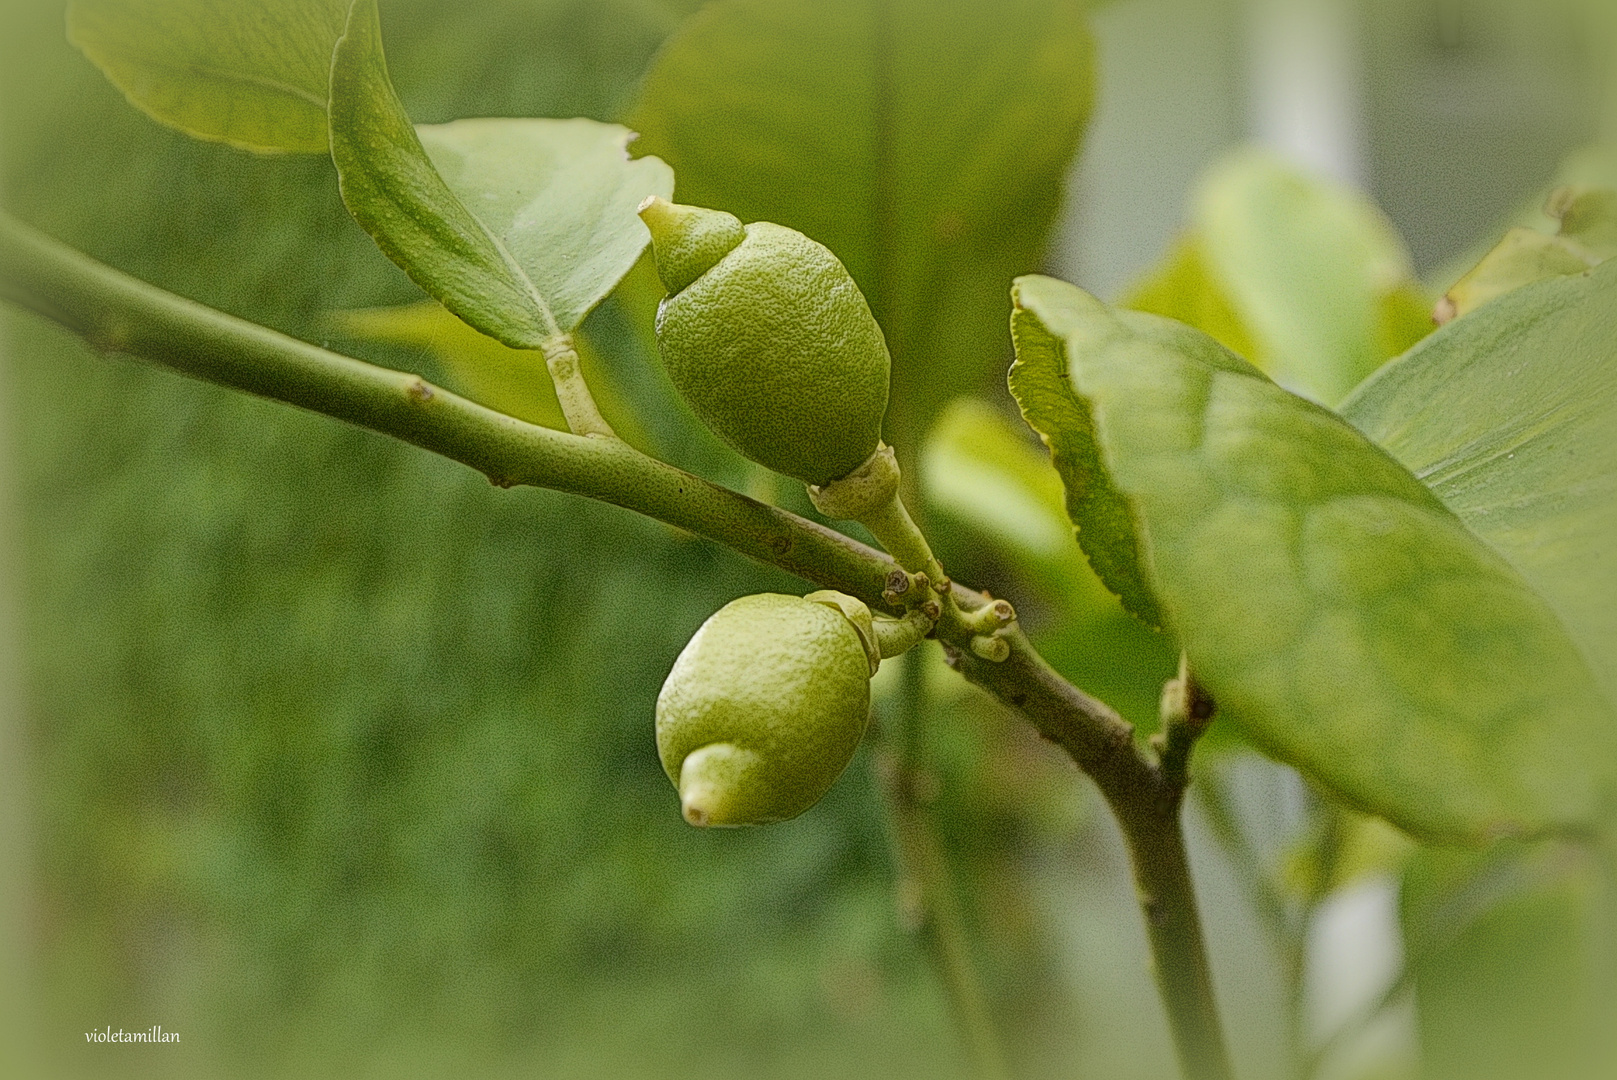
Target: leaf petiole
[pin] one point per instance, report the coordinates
(572, 391)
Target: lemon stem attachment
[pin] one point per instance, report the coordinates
(870, 496)
(577, 403)
(894, 637)
(896, 531)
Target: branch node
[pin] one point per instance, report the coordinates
(1186, 711)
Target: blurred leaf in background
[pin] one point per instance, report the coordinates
(1300, 275)
(1512, 959)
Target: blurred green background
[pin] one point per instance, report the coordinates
(336, 760)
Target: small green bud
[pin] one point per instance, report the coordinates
(769, 339)
(764, 708)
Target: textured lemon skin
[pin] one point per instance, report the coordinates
(781, 677)
(776, 350)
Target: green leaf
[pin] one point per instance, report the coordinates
(1510, 956)
(1303, 277)
(560, 195)
(1510, 415)
(253, 75)
(1184, 287)
(1064, 419)
(1341, 616)
(925, 142)
(517, 226)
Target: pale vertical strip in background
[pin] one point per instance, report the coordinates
(1305, 94)
(1169, 104)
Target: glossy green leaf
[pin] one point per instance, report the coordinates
(517, 226)
(1511, 958)
(253, 75)
(925, 142)
(1340, 614)
(1304, 278)
(1510, 415)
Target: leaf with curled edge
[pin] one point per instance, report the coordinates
(1063, 418)
(1341, 615)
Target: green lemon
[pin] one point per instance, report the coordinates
(763, 710)
(769, 339)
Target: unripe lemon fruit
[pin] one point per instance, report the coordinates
(769, 339)
(764, 709)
